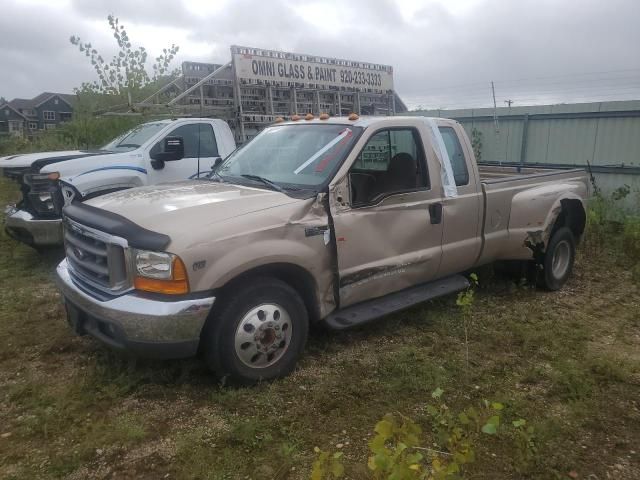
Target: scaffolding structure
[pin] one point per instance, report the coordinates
(250, 102)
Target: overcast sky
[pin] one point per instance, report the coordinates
(444, 52)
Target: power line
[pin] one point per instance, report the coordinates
(537, 80)
(524, 97)
(511, 93)
(610, 83)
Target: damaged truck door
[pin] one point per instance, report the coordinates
(387, 215)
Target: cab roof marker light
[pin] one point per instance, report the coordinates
(354, 116)
(324, 116)
(308, 116)
(295, 118)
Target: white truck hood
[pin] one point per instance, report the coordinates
(71, 169)
(108, 171)
(26, 159)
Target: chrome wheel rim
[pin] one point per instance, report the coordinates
(263, 335)
(561, 259)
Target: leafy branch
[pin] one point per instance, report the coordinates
(127, 70)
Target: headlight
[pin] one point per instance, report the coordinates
(46, 176)
(45, 197)
(42, 202)
(160, 272)
(154, 264)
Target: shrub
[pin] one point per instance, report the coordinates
(631, 238)
(399, 448)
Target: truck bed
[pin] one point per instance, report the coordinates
(510, 191)
(500, 173)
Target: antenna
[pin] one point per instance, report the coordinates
(495, 108)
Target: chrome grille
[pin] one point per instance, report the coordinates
(96, 258)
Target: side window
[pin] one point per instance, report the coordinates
(376, 154)
(208, 145)
(456, 156)
(189, 134)
(391, 161)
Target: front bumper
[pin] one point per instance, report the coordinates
(22, 226)
(142, 326)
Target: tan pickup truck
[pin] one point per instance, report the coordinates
(332, 220)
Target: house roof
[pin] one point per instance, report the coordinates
(44, 96)
(8, 105)
(18, 104)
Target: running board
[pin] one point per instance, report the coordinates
(365, 312)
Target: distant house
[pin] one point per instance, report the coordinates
(23, 116)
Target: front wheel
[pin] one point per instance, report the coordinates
(558, 260)
(258, 334)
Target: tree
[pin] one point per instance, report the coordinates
(3, 100)
(126, 73)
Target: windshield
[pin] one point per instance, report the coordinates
(109, 146)
(292, 156)
(134, 138)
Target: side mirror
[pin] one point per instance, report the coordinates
(173, 150)
(216, 163)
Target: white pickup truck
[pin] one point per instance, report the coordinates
(151, 153)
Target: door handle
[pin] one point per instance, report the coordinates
(435, 213)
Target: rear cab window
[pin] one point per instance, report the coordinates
(456, 156)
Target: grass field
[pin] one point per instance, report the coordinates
(568, 362)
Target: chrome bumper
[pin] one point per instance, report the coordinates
(146, 327)
(21, 225)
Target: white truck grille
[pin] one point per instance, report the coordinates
(97, 259)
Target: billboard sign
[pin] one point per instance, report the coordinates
(269, 67)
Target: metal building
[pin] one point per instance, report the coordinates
(604, 136)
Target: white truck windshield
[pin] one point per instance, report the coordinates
(292, 155)
(134, 138)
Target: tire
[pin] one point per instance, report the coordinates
(258, 333)
(557, 263)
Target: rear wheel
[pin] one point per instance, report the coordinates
(258, 334)
(558, 260)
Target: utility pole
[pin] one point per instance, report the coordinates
(508, 102)
(495, 108)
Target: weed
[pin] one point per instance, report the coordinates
(571, 381)
(465, 302)
(398, 448)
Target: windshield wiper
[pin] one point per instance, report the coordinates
(213, 175)
(265, 181)
(127, 145)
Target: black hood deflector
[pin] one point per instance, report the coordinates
(38, 164)
(117, 225)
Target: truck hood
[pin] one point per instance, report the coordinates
(43, 158)
(178, 207)
(74, 167)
